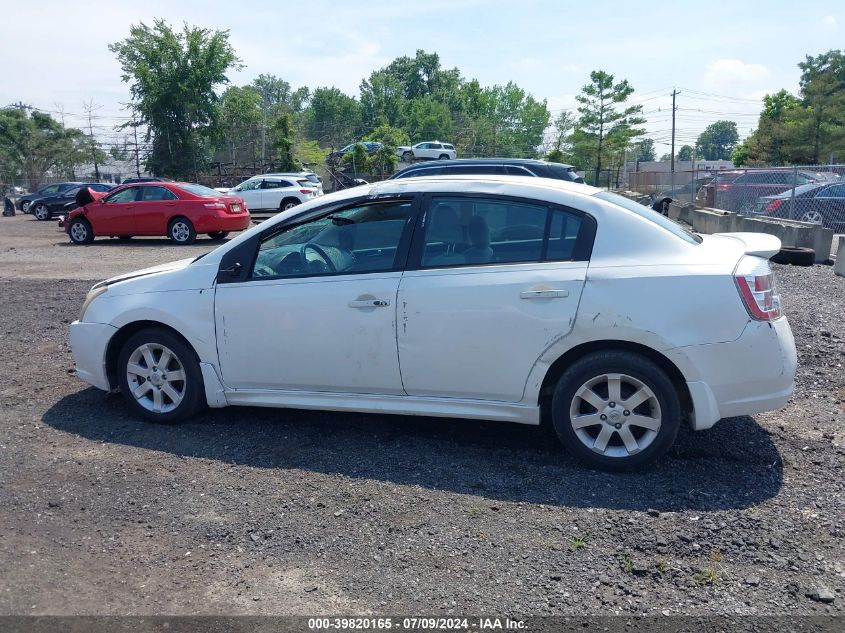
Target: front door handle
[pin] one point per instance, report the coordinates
(543, 294)
(369, 303)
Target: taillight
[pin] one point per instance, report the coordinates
(774, 205)
(756, 284)
(306, 191)
(214, 205)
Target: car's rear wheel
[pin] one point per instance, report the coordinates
(616, 410)
(443, 157)
(407, 156)
(160, 377)
(25, 206)
(289, 203)
(41, 212)
(813, 215)
(218, 235)
(79, 231)
(181, 231)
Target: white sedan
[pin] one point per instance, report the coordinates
(501, 298)
(428, 150)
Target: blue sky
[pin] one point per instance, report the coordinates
(722, 56)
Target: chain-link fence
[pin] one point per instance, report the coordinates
(814, 193)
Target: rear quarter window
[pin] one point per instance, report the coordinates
(651, 215)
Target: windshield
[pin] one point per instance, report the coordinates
(650, 214)
(200, 190)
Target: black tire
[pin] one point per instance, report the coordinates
(797, 256)
(80, 232)
(218, 235)
(41, 212)
(25, 206)
(633, 367)
(408, 156)
(181, 231)
(289, 203)
(124, 238)
(443, 157)
(191, 388)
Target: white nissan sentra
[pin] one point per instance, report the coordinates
(501, 298)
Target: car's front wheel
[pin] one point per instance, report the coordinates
(25, 206)
(79, 231)
(41, 212)
(181, 231)
(160, 376)
(616, 410)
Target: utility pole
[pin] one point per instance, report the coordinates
(89, 108)
(61, 109)
(137, 158)
(672, 158)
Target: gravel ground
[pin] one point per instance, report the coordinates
(293, 512)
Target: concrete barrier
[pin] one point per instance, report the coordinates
(839, 267)
(681, 211)
(791, 232)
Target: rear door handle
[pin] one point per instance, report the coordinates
(543, 294)
(369, 303)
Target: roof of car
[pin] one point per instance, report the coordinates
(490, 161)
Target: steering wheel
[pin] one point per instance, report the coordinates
(321, 252)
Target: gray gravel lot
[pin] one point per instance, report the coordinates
(294, 512)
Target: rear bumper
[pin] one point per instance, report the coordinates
(88, 343)
(754, 373)
(229, 222)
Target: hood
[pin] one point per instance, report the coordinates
(85, 196)
(161, 268)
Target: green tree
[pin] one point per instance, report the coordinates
(561, 137)
(385, 159)
(740, 155)
(822, 86)
(644, 150)
(605, 120)
(717, 141)
(427, 119)
(240, 123)
(281, 137)
(33, 144)
(173, 79)
(685, 152)
(333, 119)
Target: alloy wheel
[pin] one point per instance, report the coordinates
(156, 378)
(615, 415)
(180, 231)
(79, 232)
(812, 216)
(41, 212)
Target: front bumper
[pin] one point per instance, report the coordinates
(754, 373)
(89, 342)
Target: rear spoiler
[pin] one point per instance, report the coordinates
(759, 244)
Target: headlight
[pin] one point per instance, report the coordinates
(92, 294)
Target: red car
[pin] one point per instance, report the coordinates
(178, 210)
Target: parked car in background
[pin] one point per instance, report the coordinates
(129, 181)
(740, 193)
(820, 203)
(179, 210)
(275, 192)
(23, 203)
(371, 146)
(432, 150)
(512, 299)
(684, 192)
(491, 167)
(45, 208)
(313, 180)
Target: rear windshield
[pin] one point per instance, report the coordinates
(650, 214)
(313, 178)
(200, 190)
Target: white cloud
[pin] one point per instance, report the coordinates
(829, 21)
(727, 72)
